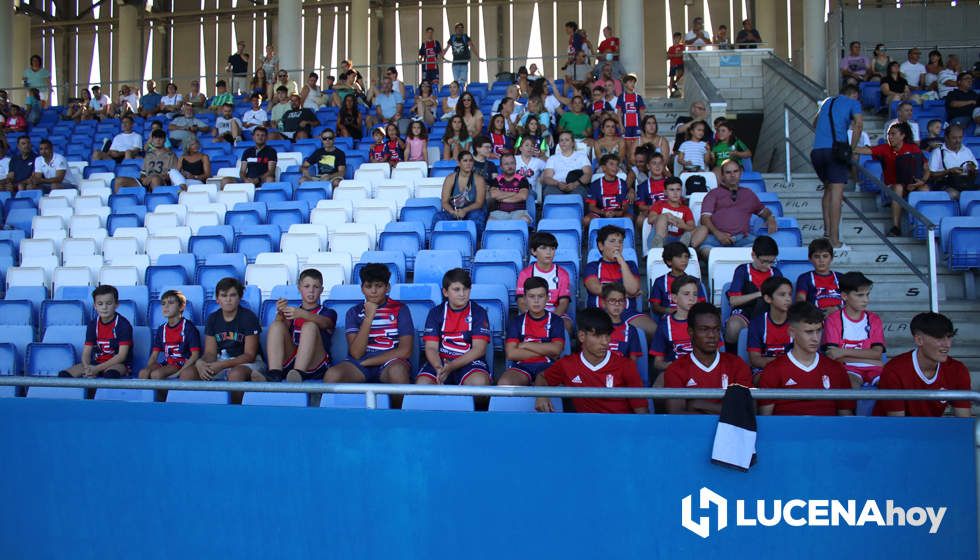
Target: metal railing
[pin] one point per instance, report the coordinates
(930, 279)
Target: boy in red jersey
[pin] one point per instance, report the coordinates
(535, 339)
(543, 247)
(672, 220)
(769, 335)
(672, 339)
(743, 293)
(675, 54)
(594, 366)
(676, 255)
(611, 267)
(705, 367)
(299, 338)
(820, 286)
(624, 340)
(177, 339)
(853, 335)
(804, 368)
(608, 196)
(108, 340)
(651, 190)
(380, 334)
(927, 368)
(456, 336)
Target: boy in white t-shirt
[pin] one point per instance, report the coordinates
(256, 116)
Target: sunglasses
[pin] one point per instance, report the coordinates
(326, 138)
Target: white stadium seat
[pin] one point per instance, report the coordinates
(37, 248)
(120, 276)
(93, 263)
(211, 190)
(39, 223)
(154, 222)
(247, 188)
(114, 247)
(139, 262)
(352, 190)
(316, 229)
(46, 263)
(289, 260)
(430, 187)
(140, 234)
(70, 276)
(156, 246)
(722, 262)
(229, 198)
(301, 245)
(25, 276)
(179, 209)
(197, 220)
(79, 246)
(265, 277)
(354, 238)
(336, 267)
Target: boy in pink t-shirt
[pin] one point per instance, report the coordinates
(853, 335)
(543, 247)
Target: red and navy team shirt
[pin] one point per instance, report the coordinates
(607, 194)
(502, 144)
(455, 330)
(768, 338)
(176, 343)
(599, 106)
(672, 339)
(625, 340)
(650, 191)
(606, 272)
(296, 326)
(747, 280)
(394, 151)
(379, 153)
(821, 290)
(106, 339)
(527, 328)
(392, 320)
(629, 106)
(660, 292)
(430, 51)
(512, 185)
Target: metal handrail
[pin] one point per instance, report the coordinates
(932, 282)
(373, 390)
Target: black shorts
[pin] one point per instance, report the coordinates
(829, 169)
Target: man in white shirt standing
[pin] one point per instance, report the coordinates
(125, 145)
(953, 166)
(913, 70)
(50, 169)
(256, 116)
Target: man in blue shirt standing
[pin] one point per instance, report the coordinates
(834, 118)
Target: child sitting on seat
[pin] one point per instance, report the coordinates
(676, 255)
(543, 247)
(672, 339)
(393, 144)
(608, 196)
(535, 338)
(672, 220)
(769, 332)
(299, 338)
(853, 335)
(378, 152)
(744, 293)
(108, 340)
(694, 154)
(177, 339)
(417, 142)
(653, 189)
(624, 340)
(820, 286)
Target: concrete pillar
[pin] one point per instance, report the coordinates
(359, 10)
(814, 41)
(288, 36)
(7, 77)
(20, 55)
(631, 32)
(129, 44)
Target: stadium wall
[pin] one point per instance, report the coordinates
(111, 480)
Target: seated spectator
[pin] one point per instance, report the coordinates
(726, 213)
(311, 95)
(722, 41)
(535, 338)
(609, 196)
(651, 139)
(125, 145)
(854, 336)
(705, 367)
(5, 174)
(471, 114)
(933, 68)
(768, 336)
(529, 166)
(748, 37)
(173, 101)
(961, 103)
(127, 103)
(728, 146)
(625, 338)
(946, 80)
(326, 163)
(464, 195)
(578, 75)
(157, 165)
(424, 108)
(894, 87)
(694, 154)
(904, 114)
(349, 120)
(177, 341)
(21, 170)
(450, 101)
(394, 145)
(821, 285)
(914, 71)
(609, 141)
(928, 367)
(380, 334)
(258, 162)
(150, 101)
(855, 67)
(651, 187)
(599, 109)
(282, 80)
(500, 142)
(879, 62)
(50, 169)
(697, 113)
(673, 339)
(676, 256)
(33, 107)
(482, 164)
(156, 125)
(536, 137)
(803, 368)
(231, 341)
(186, 126)
(672, 220)
(298, 344)
(255, 115)
(953, 166)
(16, 122)
(607, 79)
(227, 127)
(745, 291)
(221, 97)
(611, 267)
(456, 336)
(535, 110)
(594, 366)
(195, 97)
(543, 246)
(77, 108)
(194, 165)
(934, 137)
(509, 192)
(903, 167)
(417, 142)
(108, 349)
(100, 104)
(576, 120)
(297, 123)
(568, 171)
(456, 140)
(511, 111)
(388, 105)
(378, 152)
(277, 108)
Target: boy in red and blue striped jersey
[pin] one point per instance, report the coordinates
(534, 339)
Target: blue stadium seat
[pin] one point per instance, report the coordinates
(117, 221)
(252, 300)
(155, 317)
(158, 197)
(458, 235)
(772, 202)
(873, 167)
(34, 294)
(13, 237)
(438, 402)
(420, 210)
(275, 399)
(519, 404)
(495, 299)
(313, 192)
(563, 206)
(788, 234)
(407, 238)
(209, 275)
(419, 298)
(287, 213)
(119, 203)
(970, 203)
(432, 265)
(351, 400)
(13, 349)
(138, 192)
(197, 397)
(498, 266)
(624, 223)
(125, 395)
(184, 260)
(48, 358)
(935, 205)
(63, 312)
(140, 296)
(255, 242)
(60, 393)
(16, 312)
(961, 242)
(20, 203)
(159, 276)
(245, 215)
(196, 296)
(505, 234)
(21, 218)
(274, 192)
(201, 246)
(394, 260)
(793, 261)
(642, 363)
(268, 312)
(225, 232)
(142, 344)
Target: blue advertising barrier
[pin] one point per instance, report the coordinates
(100, 479)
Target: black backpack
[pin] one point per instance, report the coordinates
(695, 184)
